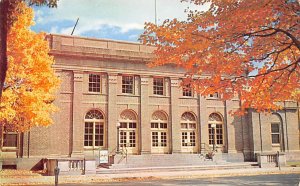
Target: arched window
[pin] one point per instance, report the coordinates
(128, 131)
(188, 130)
(215, 129)
(159, 132)
(94, 129)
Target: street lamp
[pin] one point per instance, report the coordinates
(213, 126)
(118, 127)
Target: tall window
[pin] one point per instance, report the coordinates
(159, 129)
(94, 129)
(187, 90)
(128, 131)
(275, 129)
(158, 86)
(10, 138)
(275, 132)
(127, 84)
(94, 83)
(188, 129)
(215, 129)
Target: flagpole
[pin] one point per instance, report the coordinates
(155, 12)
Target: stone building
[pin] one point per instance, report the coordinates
(110, 99)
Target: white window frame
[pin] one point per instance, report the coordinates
(125, 86)
(93, 85)
(159, 90)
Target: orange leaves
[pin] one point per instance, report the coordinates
(30, 83)
(245, 46)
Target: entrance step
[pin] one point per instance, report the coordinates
(153, 160)
(245, 165)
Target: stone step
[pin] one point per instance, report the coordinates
(245, 165)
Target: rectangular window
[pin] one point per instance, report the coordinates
(94, 83)
(215, 134)
(184, 139)
(99, 134)
(132, 125)
(158, 86)
(123, 125)
(192, 139)
(10, 139)
(215, 95)
(154, 139)
(184, 125)
(163, 139)
(275, 132)
(163, 125)
(187, 91)
(88, 134)
(154, 125)
(122, 139)
(127, 84)
(132, 139)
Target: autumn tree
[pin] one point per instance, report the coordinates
(30, 84)
(7, 17)
(249, 47)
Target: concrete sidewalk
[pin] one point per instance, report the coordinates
(28, 178)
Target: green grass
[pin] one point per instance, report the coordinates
(293, 164)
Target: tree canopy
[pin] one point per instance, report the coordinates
(249, 47)
(30, 84)
(8, 9)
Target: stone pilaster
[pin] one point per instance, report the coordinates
(144, 115)
(175, 117)
(112, 113)
(78, 122)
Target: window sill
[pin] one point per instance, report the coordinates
(188, 97)
(9, 149)
(219, 99)
(93, 148)
(276, 145)
(92, 93)
(159, 96)
(129, 95)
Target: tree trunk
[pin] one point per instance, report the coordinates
(3, 42)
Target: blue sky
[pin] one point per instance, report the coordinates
(111, 19)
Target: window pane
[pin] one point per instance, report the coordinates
(184, 139)
(275, 138)
(192, 139)
(94, 83)
(158, 86)
(192, 125)
(10, 140)
(127, 84)
(123, 125)
(154, 139)
(187, 91)
(88, 134)
(184, 125)
(99, 134)
(163, 139)
(275, 127)
(154, 125)
(132, 139)
(163, 125)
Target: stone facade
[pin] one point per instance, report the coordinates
(188, 128)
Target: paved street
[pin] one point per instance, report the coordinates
(277, 179)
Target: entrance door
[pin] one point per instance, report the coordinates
(159, 142)
(128, 137)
